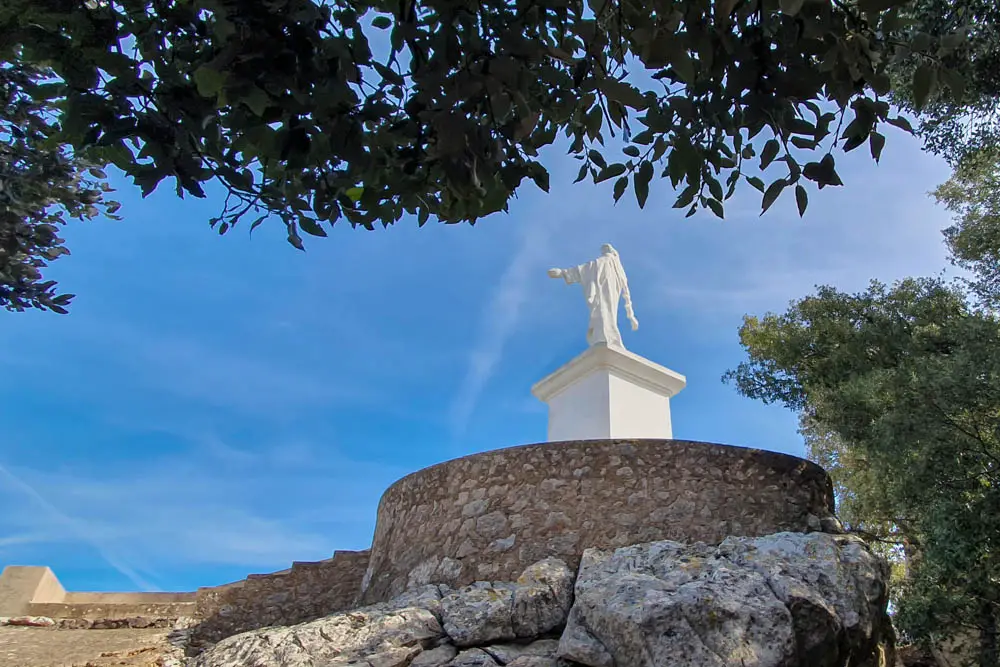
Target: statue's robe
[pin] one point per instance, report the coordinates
(603, 281)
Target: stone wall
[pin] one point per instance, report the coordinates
(490, 515)
(112, 610)
(302, 593)
(36, 591)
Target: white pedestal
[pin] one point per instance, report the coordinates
(607, 393)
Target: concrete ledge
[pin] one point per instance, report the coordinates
(94, 611)
(20, 585)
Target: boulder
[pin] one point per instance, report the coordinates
(535, 661)
(435, 657)
(508, 653)
(785, 600)
(410, 628)
(370, 637)
(537, 603)
(473, 657)
(479, 613)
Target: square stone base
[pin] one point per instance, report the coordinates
(607, 393)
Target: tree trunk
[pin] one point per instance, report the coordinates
(988, 656)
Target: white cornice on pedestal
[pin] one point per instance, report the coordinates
(609, 392)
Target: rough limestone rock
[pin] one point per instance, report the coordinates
(537, 603)
(473, 657)
(508, 653)
(435, 657)
(536, 661)
(407, 630)
(374, 637)
(785, 600)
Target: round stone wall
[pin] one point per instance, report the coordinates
(488, 516)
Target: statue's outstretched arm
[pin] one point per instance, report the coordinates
(571, 275)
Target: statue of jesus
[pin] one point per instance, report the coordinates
(604, 283)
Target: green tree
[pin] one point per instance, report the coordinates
(973, 195)
(957, 93)
(901, 387)
(41, 185)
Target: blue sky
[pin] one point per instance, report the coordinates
(218, 406)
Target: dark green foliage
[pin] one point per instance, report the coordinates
(899, 389)
(41, 184)
(973, 195)
(311, 112)
(955, 90)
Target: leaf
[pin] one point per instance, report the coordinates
(801, 199)
(209, 81)
(876, 142)
(620, 186)
(257, 101)
(631, 151)
(769, 153)
(756, 183)
(541, 177)
(791, 8)
(642, 178)
(772, 193)
(309, 226)
(610, 172)
(955, 81)
(582, 175)
(256, 223)
(684, 66)
(354, 194)
(880, 5)
(391, 75)
(714, 187)
(622, 92)
(902, 123)
(597, 159)
(717, 208)
(382, 22)
(924, 79)
(954, 40)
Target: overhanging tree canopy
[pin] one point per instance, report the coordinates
(41, 185)
(312, 111)
(369, 110)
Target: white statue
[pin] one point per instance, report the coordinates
(604, 283)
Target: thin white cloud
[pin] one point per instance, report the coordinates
(256, 508)
(83, 531)
(35, 537)
(499, 321)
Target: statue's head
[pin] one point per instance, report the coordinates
(608, 249)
